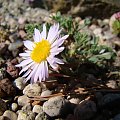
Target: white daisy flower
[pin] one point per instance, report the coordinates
(41, 52)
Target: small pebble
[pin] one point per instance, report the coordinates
(37, 109)
(23, 100)
(19, 83)
(27, 107)
(9, 115)
(46, 93)
(75, 100)
(15, 45)
(29, 115)
(14, 106)
(41, 116)
(32, 90)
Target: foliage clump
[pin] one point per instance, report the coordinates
(84, 47)
(80, 47)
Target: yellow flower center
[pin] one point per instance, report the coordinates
(41, 51)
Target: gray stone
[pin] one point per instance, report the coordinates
(32, 90)
(23, 100)
(26, 115)
(106, 21)
(27, 107)
(108, 35)
(85, 110)
(97, 31)
(10, 115)
(19, 83)
(14, 106)
(37, 109)
(46, 93)
(15, 45)
(53, 106)
(41, 116)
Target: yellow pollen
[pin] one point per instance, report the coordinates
(41, 51)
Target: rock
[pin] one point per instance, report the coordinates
(37, 109)
(46, 93)
(12, 22)
(106, 21)
(27, 107)
(19, 83)
(112, 84)
(3, 106)
(97, 31)
(11, 69)
(32, 90)
(3, 48)
(98, 96)
(85, 110)
(23, 100)
(6, 88)
(15, 52)
(118, 83)
(75, 100)
(56, 106)
(21, 20)
(41, 116)
(14, 106)
(2, 61)
(116, 41)
(117, 117)
(2, 73)
(26, 115)
(93, 27)
(14, 46)
(110, 101)
(13, 37)
(70, 117)
(108, 35)
(22, 34)
(2, 118)
(10, 115)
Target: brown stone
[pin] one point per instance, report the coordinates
(11, 69)
(6, 88)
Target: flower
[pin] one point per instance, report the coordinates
(41, 52)
(114, 23)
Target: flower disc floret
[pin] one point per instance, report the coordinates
(41, 51)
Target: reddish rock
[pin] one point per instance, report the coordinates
(11, 69)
